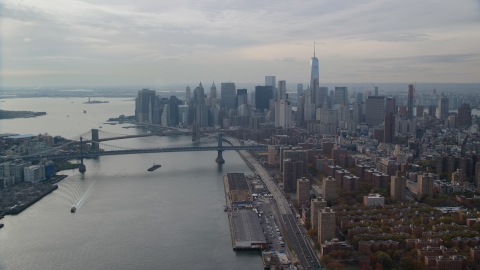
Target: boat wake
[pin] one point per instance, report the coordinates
(79, 199)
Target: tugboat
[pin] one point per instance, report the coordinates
(73, 209)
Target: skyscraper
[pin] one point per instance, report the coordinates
(228, 95)
(314, 73)
(314, 93)
(442, 110)
(213, 92)
(389, 128)
(299, 90)
(272, 81)
(199, 94)
(202, 115)
(263, 94)
(374, 110)
(143, 105)
(173, 115)
(376, 90)
(411, 92)
(332, 98)
(341, 96)
(242, 97)
(357, 112)
(321, 95)
(282, 90)
(359, 97)
(391, 106)
(283, 114)
(188, 95)
(464, 115)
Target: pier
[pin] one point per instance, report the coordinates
(245, 229)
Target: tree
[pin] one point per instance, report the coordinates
(398, 255)
(325, 259)
(406, 262)
(384, 259)
(334, 265)
(365, 265)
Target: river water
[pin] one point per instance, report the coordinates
(127, 217)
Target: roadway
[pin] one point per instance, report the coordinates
(303, 249)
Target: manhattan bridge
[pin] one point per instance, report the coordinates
(90, 145)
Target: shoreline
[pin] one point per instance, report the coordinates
(18, 209)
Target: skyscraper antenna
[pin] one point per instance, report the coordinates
(313, 49)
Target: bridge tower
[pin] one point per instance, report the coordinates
(81, 167)
(95, 139)
(219, 158)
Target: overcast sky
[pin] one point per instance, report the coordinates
(158, 43)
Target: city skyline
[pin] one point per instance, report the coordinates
(59, 43)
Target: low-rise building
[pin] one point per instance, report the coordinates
(335, 245)
(366, 247)
(373, 199)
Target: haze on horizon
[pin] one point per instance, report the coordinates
(158, 43)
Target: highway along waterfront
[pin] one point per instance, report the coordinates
(128, 218)
(302, 247)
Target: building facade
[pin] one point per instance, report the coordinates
(228, 97)
(303, 190)
(326, 225)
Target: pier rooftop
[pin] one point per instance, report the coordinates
(237, 181)
(247, 229)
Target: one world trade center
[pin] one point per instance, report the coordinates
(314, 75)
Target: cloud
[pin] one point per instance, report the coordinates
(60, 57)
(87, 40)
(244, 38)
(430, 59)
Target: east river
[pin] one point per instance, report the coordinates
(127, 217)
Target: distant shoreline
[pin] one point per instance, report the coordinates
(19, 114)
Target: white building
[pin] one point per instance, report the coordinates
(283, 114)
(14, 169)
(34, 173)
(282, 90)
(373, 199)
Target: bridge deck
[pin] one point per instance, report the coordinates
(92, 154)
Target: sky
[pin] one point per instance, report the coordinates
(159, 43)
